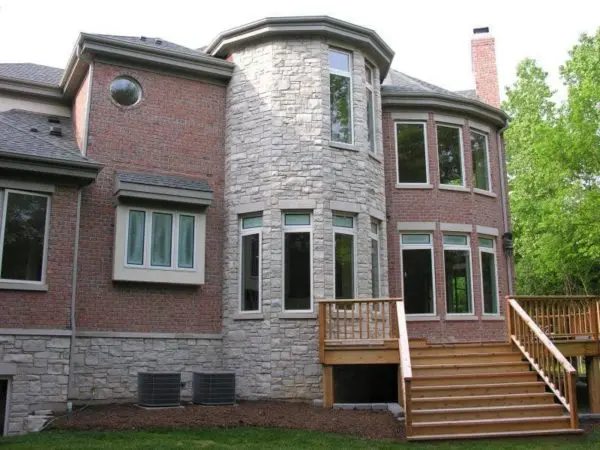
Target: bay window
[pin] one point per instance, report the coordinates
(457, 269)
(450, 155)
(340, 89)
(480, 152)
(411, 153)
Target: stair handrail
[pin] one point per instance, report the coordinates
(547, 360)
(405, 366)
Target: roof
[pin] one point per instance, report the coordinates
(35, 73)
(152, 42)
(399, 82)
(469, 93)
(17, 138)
(168, 181)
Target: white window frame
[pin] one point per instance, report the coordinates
(464, 247)
(427, 182)
(493, 252)
(248, 232)
(297, 229)
(349, 76)
(487, 156)
(174, 240)
(4, 205)
(350, 232)
(370, 85)
(375, 237)
(462, 156)
(429, 247)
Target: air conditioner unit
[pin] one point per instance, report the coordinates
(214, 388)
(159, 389)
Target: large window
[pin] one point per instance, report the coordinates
(251, 232)
(340, 87)
(24, 218)
(344, 233)
(418, 273)
(375, 264)
(297, 250)
(480, 152)
(411, 147)
(457, 266)
(489, 277)
(370, 107)
(450, 155)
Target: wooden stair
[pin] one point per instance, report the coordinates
(479, 391)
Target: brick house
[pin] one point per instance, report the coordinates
(172, 209)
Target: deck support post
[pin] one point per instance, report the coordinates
(593, 373)
(327, 386)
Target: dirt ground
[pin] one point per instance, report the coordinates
(291, 415)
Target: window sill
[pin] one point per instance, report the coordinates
(342, 146)
(18, 286)
(449, 187)
(492, 317)
(414, 186)
(422, 318)
(486, 193)
(375, 157)
(249, 316)
(461, 317)
(289, 315)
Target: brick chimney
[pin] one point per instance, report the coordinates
(483, 58)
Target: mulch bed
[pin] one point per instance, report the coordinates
(290, 415)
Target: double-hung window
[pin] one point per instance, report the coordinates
(375, 264)
(371, 134)
(340, 88)
(345, 255)
(480, 158)
(250, 264)
(418, 280)
(411, 153)
(24, 219)
(297, 256)
(457, 267)
(489, 275)
(450, 155)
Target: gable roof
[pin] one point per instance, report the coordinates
(35, 73)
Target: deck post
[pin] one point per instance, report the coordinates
(593, 373)
(400, 387)
(327, 386)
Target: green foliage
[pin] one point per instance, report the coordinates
(553, 154)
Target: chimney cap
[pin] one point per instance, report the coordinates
(481, 30)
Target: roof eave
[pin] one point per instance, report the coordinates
(30, 88)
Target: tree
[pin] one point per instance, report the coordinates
(553, 157)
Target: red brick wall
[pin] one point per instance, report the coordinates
(483, 59)
(79, 113)
(442, 206)
(51, 309)
(177, 129)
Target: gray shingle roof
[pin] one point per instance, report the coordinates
(32, 72)
(17, 138)
(400, 83)
(469, 93)
(153, 42)
(150, 179)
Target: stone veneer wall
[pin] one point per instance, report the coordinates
(277, 150)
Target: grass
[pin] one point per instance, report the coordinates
(257, 438)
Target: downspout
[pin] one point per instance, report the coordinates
(504, 201)
(70, 382)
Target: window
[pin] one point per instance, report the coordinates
(24, 218)
(375, 265)
(450, 155)
(344, 232)
(418, 279)
(489, 275)
(125, 91)
(297, 251)
(340, 87)
(457, 265)
(480, 152)
(411, 150)
(250, 282)
(370, 107)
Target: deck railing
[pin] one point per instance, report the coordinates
(405, 366)
(556, 371)
(564, 317)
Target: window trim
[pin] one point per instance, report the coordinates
(463, 184)
(370, 86)
(465, 247)
(23, 284)
(350, 232)
(297, 229)
(493, 252)
(249, 232)
(375, 237)
(487, 156)
(427, 183)
(351, 108)
(430, 247)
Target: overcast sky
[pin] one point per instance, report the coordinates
(431, 38)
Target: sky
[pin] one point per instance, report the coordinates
(431, 38)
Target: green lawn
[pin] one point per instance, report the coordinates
(256, 438)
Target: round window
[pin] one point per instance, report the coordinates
(125, 91)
